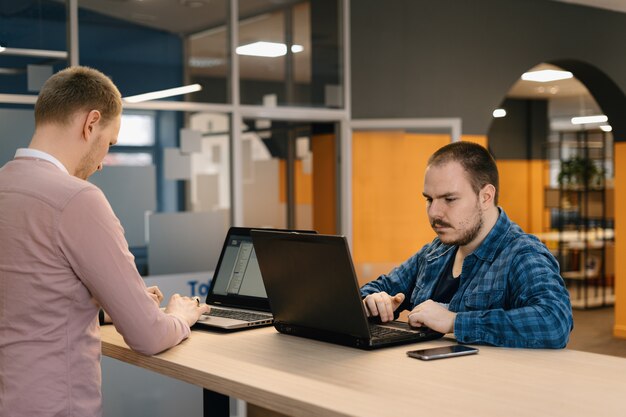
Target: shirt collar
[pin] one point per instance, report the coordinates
(34, 153)
(488, 248)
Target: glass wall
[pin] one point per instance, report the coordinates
(289, 174)
(289, 54)
(185, 141)
(32, 44)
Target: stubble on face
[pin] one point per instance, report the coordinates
(468, 235)
(89, 164)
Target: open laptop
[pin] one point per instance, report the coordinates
(313, 292)
(236, 295)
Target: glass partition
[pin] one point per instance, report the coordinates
(147, 46)
(32, 44)
(131, 43)
(289, 174)
(289, 53)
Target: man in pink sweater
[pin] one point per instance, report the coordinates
(63, 256)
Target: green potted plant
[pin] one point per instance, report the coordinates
(580, 172)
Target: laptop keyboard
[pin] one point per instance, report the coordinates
(239, 315)
(378, 331)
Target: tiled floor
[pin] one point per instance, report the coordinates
(593, 332)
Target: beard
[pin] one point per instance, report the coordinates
(468, 236)
(471, 233)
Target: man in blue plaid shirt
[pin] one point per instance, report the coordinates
(482, 278)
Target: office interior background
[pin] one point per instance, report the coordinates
(331, 129)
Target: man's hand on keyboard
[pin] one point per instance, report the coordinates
(433, 315)
(383, 305)
(188, 309)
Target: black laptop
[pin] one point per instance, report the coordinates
(237, 295)
(313, 292)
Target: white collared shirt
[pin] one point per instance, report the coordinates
(34, 153)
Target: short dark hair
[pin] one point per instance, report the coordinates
(76, 89)
(475, 160)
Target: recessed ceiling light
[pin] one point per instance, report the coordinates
(261, 48)
(606, 128)
(545, 76)
(599, 118)
(297, 48)
(497, 113)
(163, 93)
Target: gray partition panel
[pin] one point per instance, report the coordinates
(17, 129)
(186, 241)
(131, 190)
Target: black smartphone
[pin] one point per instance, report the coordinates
(442, 352)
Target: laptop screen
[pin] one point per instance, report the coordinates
(239, 272)
(237, 281)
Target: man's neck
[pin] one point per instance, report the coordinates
(52, 140)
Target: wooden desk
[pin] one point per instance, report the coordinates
(301, 377)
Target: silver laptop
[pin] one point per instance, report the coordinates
(236, 295)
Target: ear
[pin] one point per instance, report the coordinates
(91, 122)
(487, 195)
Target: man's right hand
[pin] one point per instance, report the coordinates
(383, 305)
(186, 308)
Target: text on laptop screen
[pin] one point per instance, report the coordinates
(239, 273)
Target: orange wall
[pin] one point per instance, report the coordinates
(479, 139)
(303, 185)
(619, 330)
(389, 217)
(389, 213)
(522, 185)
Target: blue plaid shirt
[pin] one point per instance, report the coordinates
(510, 293)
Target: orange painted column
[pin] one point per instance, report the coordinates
(619, 330)
(324, 180)
(522, 185)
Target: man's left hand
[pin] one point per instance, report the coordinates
(434, 316)
(155, 293)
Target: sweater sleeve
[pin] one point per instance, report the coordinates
(92, 239)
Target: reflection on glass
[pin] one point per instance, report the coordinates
(142, 44)
(289, 54)
(289, 175)
(207, 61)
(264, 200)
(210, 162)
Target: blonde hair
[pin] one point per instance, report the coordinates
(77, 89)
